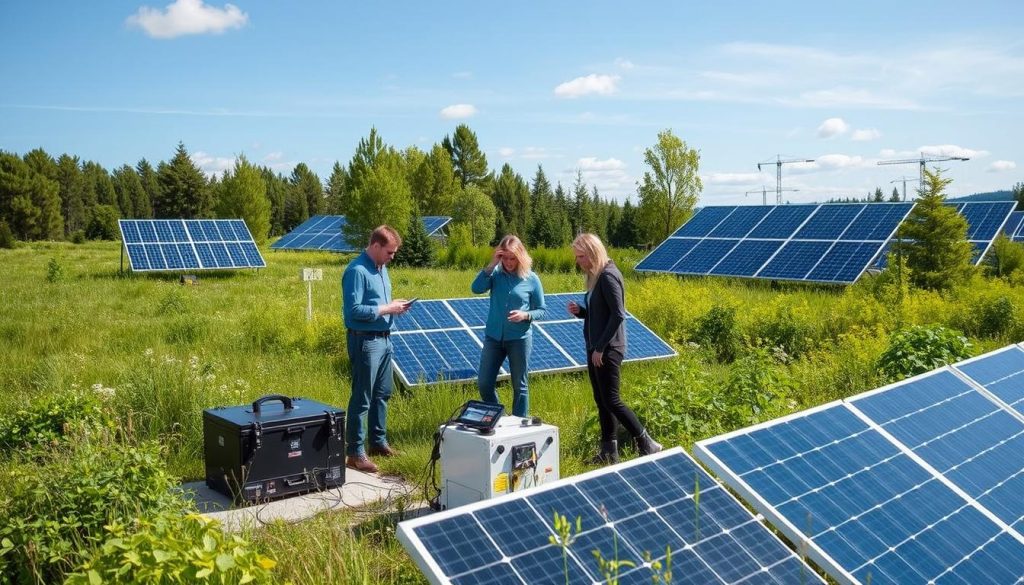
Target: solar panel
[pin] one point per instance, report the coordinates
(917, 482)
(188, 244)
(985, 220)
(324, 232)
(1013, 226)
(625, 510)
(440, 340)
(821, 243)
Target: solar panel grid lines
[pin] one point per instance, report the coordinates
(624, 510)
(178, 244)
(432, 341)
(914, 482)
(786, 242)
(324, 232)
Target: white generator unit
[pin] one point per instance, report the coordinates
(517, 454)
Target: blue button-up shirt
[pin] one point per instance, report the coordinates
(364, 290)
(510, 293)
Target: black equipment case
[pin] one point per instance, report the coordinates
(277, 446)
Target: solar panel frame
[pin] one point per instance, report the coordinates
(325, 233)
(557, 333)
(639, 500)
(924, 451)
(711, 247)
(168, 245)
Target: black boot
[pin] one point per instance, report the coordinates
(609, 454)
(646, 445)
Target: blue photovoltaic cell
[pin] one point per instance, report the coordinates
(704, 256)
(782, 222)
(1012, 227)
(739, 223)
(795, 260)
(324, 232)
(625, 511)
(877, 222)
(829, 222)
(1002, 374)
(845, 261)
(178, 244)
(985, 219)
(703, 222)
(667, 255)
(747, 258)
(441, 340)
(949, 514)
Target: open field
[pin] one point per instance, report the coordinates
(153, 354)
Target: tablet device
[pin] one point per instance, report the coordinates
(481, 416)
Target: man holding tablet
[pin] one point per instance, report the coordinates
(368, 312)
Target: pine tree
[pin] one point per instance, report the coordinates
(277, 189)
(1018, 196)
(469, 161)
(542, 230)
(29, 202)
(417, 249)
(243, 194)
(895, 197)
(933, 238)
(435, 184)
(627, 233)
(131, 196)
(71, 190)
(511, 199)
(311, 188)
(336, 197)
(151, 185)
(295, 207)
(183, 191)
(879, 195)
(581, 213)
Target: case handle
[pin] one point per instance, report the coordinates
(269, 398)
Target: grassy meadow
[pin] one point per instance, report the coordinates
(144, 355)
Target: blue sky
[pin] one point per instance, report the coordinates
(570, 86)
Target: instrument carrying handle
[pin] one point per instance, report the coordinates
(269, 398)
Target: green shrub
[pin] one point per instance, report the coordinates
(920, 349)
(45, 421)
(785, 328)
(6, 236)
(717, 330)
(78, 237)
(757, 385)
(172, 303)
(56, 507)
(102, 223)
(986, 315)
(54, 271)
(681, 403)
(172, 549)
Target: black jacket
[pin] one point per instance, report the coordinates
(605, 315)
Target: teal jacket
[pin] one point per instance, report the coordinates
(364, 289)
(510, 293)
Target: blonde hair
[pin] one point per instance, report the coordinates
(591, 247)
(513, 244)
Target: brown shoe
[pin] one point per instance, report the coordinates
(361, 463)
(383, 451)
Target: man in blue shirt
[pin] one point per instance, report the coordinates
(368, 312)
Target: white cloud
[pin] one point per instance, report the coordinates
(840, 161)
(592, 163)
(1001, 165)
(951, 150)
(187, 17)
(506, 152)
(887, 152)
(832, 127)
(212, 165)
(624, 63)
(526, 153)
(593, 83)
(732, 178)
(458, 111)
(866, 134)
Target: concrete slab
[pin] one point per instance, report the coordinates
(361, 490)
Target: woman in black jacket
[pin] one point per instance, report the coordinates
(604, 332)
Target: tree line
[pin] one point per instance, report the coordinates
(47, 198)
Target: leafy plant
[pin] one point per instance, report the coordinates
(717, 330)
(54, 271)
(755, 382)
(45, 421)
(170, 549)
(6, 236)
(919, 349)
(681, 402)
(563, 538)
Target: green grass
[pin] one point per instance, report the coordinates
(170, 351)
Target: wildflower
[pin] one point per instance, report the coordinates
(148, 353)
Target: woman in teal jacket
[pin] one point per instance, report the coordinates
(517, 300)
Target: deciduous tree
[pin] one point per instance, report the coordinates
(475, 210)
(670, 186)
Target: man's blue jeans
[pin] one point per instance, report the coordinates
(372, 383)
(492, 355)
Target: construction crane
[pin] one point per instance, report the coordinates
(904, 181)
(923, 160)
(778, 162)
(764, 194)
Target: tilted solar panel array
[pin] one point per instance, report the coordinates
(324, 232)
(1014, 226)
(985, 220)
(625, 511)
(440, 340)
(917, 482)
(188, 244)
(820, 243)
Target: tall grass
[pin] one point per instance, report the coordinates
(167, 352)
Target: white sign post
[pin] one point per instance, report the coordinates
(308, 276)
